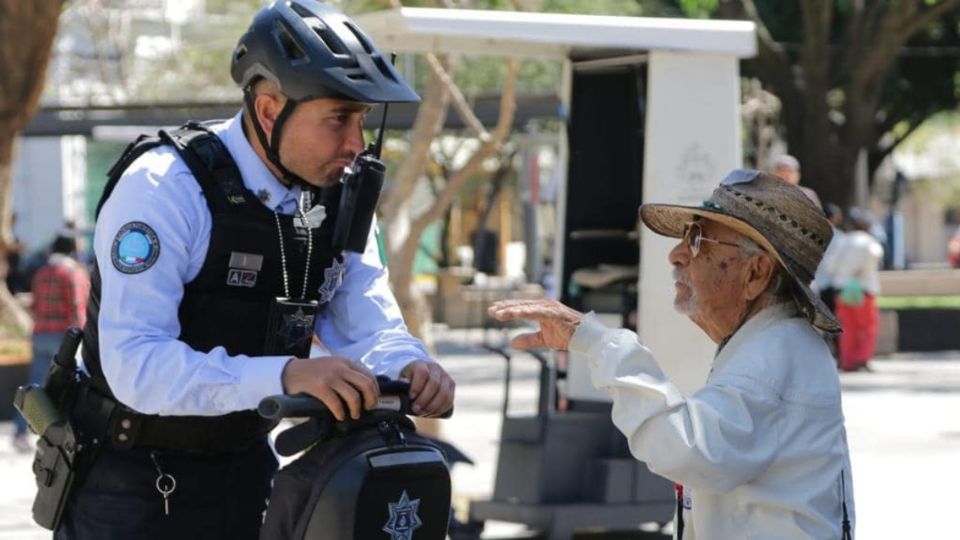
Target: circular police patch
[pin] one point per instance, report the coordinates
(135, 248)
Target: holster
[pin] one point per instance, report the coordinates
(63, 453)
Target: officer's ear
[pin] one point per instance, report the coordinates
(268, 101)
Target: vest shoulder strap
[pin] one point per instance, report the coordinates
(204, 154)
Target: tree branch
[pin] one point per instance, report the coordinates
(429, 122)
(771, 56)
(896, 28)
(464, 111)
(486, 150)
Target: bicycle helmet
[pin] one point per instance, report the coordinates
(311, 51)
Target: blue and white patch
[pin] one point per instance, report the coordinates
(135, 248)
(332, 279)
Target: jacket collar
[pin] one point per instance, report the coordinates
(753, 326)
(256, 176)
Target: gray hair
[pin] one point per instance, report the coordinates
(787, 161)
(781, 286)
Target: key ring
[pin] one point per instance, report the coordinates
(173, 484)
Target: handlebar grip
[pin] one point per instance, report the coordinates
(284, 406)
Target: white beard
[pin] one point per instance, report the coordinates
(689, 305)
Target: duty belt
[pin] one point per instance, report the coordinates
(125, 428)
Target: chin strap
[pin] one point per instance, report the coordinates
(272, 149)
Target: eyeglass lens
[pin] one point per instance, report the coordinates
(692, 234)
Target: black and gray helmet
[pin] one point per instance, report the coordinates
(313, 51)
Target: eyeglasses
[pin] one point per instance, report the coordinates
(693, 236)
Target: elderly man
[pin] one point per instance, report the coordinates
(760, 450)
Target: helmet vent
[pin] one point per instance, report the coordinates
(330, 40)
(367, 46)
(291, 48)
(384, 68)
(240, 52)
(328, 37)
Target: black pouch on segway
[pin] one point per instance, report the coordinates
(374, 478)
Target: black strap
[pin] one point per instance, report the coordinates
(272, 148)
(845, 524)
(204, 154)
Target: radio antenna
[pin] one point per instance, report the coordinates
(383, 118)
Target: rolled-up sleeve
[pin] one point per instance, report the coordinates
(722, 436)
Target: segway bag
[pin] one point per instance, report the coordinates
(373, 478)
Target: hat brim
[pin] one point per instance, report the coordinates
(670, 219)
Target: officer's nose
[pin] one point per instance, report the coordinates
(354, 140)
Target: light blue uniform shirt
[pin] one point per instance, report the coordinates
(152, 371)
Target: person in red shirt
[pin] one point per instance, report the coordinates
(60, 290)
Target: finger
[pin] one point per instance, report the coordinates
(430, 390)
(366, 384)
(350, 396)
(441, 401)
(530, 340)
(533, 312)
(419, 375)
(332, 400)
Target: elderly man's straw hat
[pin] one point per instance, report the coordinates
(774, 214)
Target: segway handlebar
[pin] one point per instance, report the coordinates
(394, 396)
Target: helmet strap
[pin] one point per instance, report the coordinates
(272, 148)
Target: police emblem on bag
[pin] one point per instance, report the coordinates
(403, 519)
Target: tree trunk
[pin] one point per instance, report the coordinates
(13, 318)
(28, 30)
(396, 211)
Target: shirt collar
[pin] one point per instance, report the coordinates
(256, 176)
(752, 327)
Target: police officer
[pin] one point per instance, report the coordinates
(204, 285)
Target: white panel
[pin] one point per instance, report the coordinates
(550, 34)
(692, 141)
(38, 200)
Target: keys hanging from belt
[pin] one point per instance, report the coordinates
(165, 483)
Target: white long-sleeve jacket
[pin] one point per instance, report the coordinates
(760, 449)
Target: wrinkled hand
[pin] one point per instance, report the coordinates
(431, 389)
(335, 381)
(557, 322)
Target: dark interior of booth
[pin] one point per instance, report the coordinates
(604, 187)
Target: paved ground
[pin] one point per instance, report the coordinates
(902, 423)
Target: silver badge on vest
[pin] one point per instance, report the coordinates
(332, 279)
(244, 269)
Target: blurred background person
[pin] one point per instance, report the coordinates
(855, 267)
(60, 290)
(786, 167)
(823, 279)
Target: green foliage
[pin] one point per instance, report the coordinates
(698, 8)
(918, 302)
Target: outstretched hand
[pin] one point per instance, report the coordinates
(557, 322)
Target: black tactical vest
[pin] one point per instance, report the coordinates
(228, 303)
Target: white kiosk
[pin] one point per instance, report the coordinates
(652, 114)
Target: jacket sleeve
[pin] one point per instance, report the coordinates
(722, 436)
(363, 321)
(147, 367)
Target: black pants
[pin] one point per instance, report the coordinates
(214, 498)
